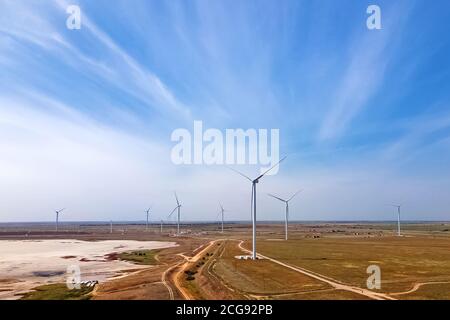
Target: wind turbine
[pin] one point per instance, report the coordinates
(110, 226)
(147, 211)
(222, 210)
(161, 226)
(398, 218)
(57, 216)
(178, 215)
(253, 201)
(287, 210)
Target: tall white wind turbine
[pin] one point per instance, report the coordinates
(253, 201)
(398, 218)
(286, 218)
(177, 208)
(57, 217)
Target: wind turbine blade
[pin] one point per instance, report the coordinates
(172, 212)
(176, 197)
(271, 168)
(295, 194)
(240, 173)
(271, 195)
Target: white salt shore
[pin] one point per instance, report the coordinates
(25, 264)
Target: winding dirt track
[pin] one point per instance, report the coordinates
(164, 282)
(417, 286)
(330, 281)
(179, 273)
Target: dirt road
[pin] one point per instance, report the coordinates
(179, 273)
(417, 286)
(164, 282)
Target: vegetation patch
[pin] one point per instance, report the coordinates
(58, 291)
(190, 272)
(146, 257)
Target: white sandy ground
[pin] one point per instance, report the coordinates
(21, 259)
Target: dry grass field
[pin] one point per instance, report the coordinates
(404, 261)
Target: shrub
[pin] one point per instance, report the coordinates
(190, 272)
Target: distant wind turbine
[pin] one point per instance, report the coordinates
(286, 220)
(147, 211)
(222, 210)
(253, 201)
(57, 216)
(178, 215)
(110, 226)
(398, 218)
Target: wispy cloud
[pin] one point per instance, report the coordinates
(118, 68)
(369, 56)
(420, 133)
(146, 82)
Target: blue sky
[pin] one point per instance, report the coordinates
(86, 115)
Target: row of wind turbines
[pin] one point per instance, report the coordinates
(254, 182)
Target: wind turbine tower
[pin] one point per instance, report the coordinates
(222, 210)
(398, 218)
